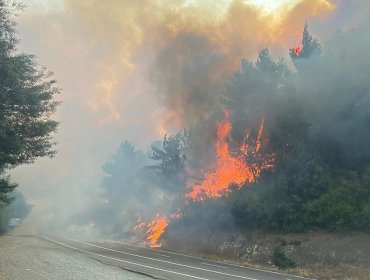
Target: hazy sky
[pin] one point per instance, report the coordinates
(132, 69)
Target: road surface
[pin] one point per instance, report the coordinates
(28, 257)
(158, 264)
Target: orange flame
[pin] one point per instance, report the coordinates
(255, 160)
(297, 50)
(155, 230)
(229, 169)
(259, 136)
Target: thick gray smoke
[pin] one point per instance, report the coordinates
(136, 71)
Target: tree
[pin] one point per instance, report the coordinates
(171, 159)
(250, 94)
(124, 184)
(122, 173)
(19, 209)
(26, 102)
(310, 47)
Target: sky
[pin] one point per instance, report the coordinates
(136, 70)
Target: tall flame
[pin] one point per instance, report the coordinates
(243, 168)
(229, 169)
(155, 230)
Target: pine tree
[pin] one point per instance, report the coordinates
(310, 47)
(26, 103)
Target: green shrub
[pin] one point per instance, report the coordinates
(283, 242)
(295, 243)
(281, 260)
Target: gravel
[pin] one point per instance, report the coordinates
(30, 258)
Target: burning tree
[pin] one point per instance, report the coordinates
(310, 47)
(228, 170)
(308, 128)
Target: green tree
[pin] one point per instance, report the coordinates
(251, 92)
(6, 187)
(171, 160)
(310, 47)
(26, 102)
(122, 172)
(124, 184)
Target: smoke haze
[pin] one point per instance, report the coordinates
(138, 69)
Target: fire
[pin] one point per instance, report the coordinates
(259, 136)
(254, 156)
(297, 50)
(229, 169)
(155, 230)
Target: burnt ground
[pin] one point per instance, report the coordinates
(317, 254)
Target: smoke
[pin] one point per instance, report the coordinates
(138, 69)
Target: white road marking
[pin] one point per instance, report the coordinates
(214, 265)
(230, 264)
(103, 242)
(158, 260)
(130, 249)
(138, 264)
(162, 255)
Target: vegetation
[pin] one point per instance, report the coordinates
(317, 128)
(281, 260)
(19, 208)
(26, 106)
(316, 125)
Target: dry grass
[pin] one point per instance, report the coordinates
(320, 255)
(320, 272)
(341, 272)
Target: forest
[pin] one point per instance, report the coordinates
(287, 150)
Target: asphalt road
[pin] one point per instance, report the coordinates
(29, 257)
(160, 264)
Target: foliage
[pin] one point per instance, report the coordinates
(251, 92)
(6, 187)
(343, 208)
(26, 102)
(281, 260)
(122, 171)
(17, 208)
(317, 127)
(123, 183)
(310, 47)
(170, 160)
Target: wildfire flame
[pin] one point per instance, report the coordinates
(156, 227)
(243, 168)
(297, 50)
(229, 169)
(155, 230)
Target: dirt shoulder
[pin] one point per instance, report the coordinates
(27, 257)
(319, 255)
